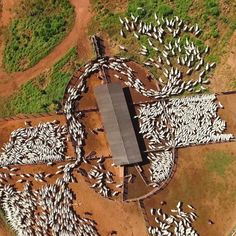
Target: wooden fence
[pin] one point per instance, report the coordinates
(29, 116)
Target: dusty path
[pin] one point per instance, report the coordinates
(78, 36)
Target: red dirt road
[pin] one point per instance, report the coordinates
(78, 36)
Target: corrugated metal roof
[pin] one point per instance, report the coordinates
(117, 124)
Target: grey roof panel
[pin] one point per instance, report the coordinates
(117, 124)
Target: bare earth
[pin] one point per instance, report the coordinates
(226, 71)
(6, 15)
(3, 230)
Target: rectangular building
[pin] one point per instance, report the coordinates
(117, 124)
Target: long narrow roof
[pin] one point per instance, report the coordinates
(117, 124)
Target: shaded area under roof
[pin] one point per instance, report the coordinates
(117, 124)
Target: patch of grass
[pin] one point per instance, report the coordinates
(234, 82)
(164, 10)
(182, 8)
(38, 27)
(218, 162)
(110, 19)
(233, 25)
(146, 8)
(44, 92)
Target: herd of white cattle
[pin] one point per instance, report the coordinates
(103, 178)
(195, 120)
(178, 222)
(31, 145)
(178, 122)
(179, 52)
(47, 210)
(162, 164)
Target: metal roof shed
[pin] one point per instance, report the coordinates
(117, 124)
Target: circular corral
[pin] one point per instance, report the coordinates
(133, 181)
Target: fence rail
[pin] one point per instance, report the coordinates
(96, 46)
(144, 213)
(29, 116)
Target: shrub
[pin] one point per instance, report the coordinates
(165, 10)
(215, 32)
(212, 7)
(233, 25)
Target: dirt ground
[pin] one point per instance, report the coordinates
(3, 230)
(93, 142)
(228, 113)
(6, 14)
(124, 218)
(77, 37)
(225, 72)
(213, 196)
